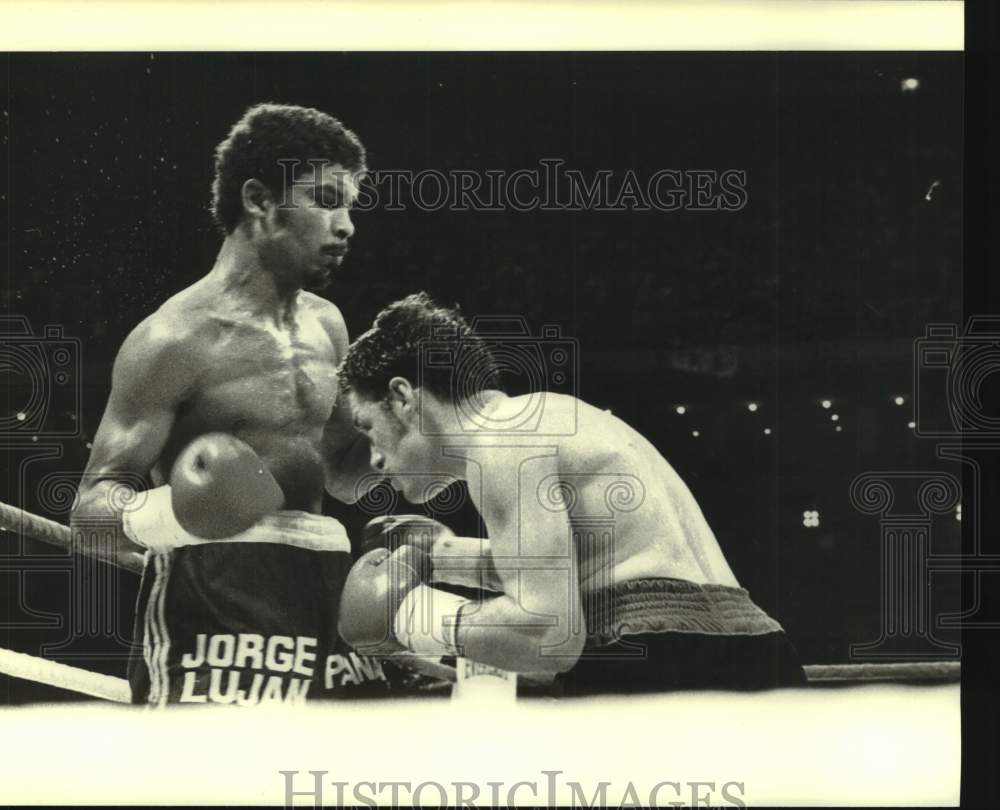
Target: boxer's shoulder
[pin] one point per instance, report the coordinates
(329, 317)
(542, 413)
(189, 315)
(322, 307)
(161, 341)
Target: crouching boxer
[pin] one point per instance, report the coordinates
(611, 578)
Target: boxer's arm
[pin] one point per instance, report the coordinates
(465, 561)
(147, 386)
(538, 624)
(346, 455)
(347, 458)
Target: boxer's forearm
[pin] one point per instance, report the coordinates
(465, 561)
(348, 471)
(97, 521)
(501, 633)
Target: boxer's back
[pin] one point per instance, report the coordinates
(623, 490)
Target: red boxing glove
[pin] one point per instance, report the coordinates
(221, 487)
(375, 587)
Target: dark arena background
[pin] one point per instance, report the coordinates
(767, 351)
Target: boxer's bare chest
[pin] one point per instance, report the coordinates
(260, 375)
(272, 386)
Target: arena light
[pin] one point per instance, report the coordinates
(834, 417)
(826, 404)
(21, 416)
(695, 433)
(958, 512)
(681, 410)
(910, 84)
(752, 406)
(838, 428)
(810, 518)
(911, 425)
(767, 431)
(899, 400)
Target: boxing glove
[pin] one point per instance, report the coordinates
(461, 561)
(393, 531)
(375, 588)
(221, 487)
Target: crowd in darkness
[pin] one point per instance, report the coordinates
(111, 163)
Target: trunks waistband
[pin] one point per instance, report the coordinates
(286, 528)
(291, 527)
(665, 605)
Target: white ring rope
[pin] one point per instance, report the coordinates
(48, 531)
(28, 667)
(110, 688)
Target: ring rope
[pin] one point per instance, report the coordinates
(31, 668)
(58, 534)
(909, 671)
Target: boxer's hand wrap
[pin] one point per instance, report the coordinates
(152, 524)
(427, 621)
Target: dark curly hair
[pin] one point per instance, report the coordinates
(430, 345)
(266, 134)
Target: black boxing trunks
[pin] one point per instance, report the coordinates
(250, 620)
(654, 635)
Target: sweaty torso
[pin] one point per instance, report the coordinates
(631, 514)
(273, 386)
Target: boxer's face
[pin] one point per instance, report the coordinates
(308, 231)
(399, 450)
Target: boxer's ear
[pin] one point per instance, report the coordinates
(403, 399)
(256, 198)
